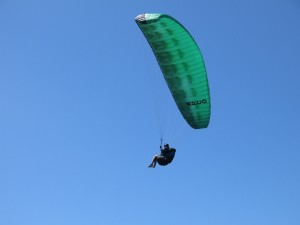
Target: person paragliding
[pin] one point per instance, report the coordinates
(183, 68)
(165, 157)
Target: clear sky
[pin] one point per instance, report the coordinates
(77, 119)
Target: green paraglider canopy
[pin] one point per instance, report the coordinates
(182, 65)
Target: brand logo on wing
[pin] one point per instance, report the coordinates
(197, 102)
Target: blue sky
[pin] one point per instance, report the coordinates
(78, 123)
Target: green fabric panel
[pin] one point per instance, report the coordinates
(182, 65)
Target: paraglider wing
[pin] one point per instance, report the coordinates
(182, 65)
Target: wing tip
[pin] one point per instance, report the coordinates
(141, 18)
